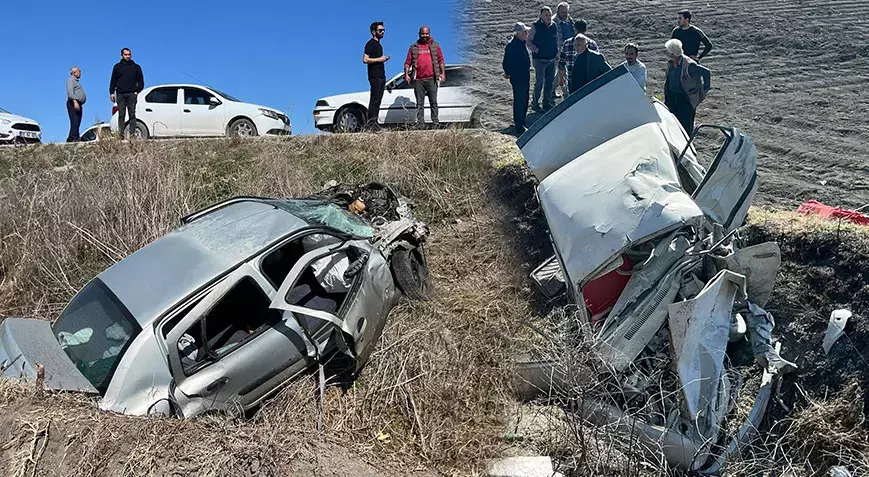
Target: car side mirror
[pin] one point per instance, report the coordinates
(390, 87)
(214, 101)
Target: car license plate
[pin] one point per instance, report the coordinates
(27, 134)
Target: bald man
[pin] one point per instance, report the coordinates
(75, 99)
(424, 67)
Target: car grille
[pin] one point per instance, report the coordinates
(26, 127)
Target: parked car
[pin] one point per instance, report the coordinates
(185, 110)
(245, 296)
(348, 112)
(18, 129)
(96, 132)
(646, 243)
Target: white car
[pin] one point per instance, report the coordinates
(347, 112)
(18, 129)
(96, 132)
(186, 110)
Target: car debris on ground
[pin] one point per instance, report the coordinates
(835, 328)
(647, 240)
(245, 296)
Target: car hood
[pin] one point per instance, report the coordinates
(16, 118)
(24, 343)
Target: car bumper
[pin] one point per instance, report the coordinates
(9, 134)
(267, 126)
(324, 117)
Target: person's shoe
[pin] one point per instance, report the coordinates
(558, 94)
(536, 108)
(519, 130)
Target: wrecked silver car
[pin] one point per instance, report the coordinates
(243, 297)
(646, 242)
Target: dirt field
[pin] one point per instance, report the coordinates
(808, 120)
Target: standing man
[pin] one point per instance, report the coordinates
(634, 65)
(691, 37)
(75, 99)
(587, 65)
(683, 89)
(517, 67)
(425, 66)
(373, 57)
(543, 43)
(564, 23)
(126, 83)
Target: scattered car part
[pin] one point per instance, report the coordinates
(835, 328)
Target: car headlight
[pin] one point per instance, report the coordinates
(5, 121)
(270, 114)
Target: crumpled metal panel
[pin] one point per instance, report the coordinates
(620, 193)
(700, 329)
(730, 184)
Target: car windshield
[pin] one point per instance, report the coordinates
(226, 96)
(321, 212)
(95, 330)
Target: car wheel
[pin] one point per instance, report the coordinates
(479, 118)
(141, 131)
(242, 128)
(411, 273)
(350, 120)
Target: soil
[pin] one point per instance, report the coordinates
(790, 74)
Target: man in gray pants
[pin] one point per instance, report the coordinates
(75, 99)
(126, 83)
(425, 65)
(543, 43)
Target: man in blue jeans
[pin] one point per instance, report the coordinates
(125, 85)
(543, 43)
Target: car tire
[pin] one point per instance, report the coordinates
(241, 128)
(411, 273)
(141, 131)
(479, 118)
(349, 120)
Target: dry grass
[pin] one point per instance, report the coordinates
(436, 384)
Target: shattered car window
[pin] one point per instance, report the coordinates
(321, 212)
(94, 331)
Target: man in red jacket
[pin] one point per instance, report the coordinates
(424, 66)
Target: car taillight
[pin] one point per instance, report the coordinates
(114, 109)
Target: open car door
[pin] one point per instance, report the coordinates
(358, 311)
(231, 349)
(727, 189)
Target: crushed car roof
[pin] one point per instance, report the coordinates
(154, 278)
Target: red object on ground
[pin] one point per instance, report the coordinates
(813, 207)
(602, 293)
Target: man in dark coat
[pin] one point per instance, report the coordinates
(517, 68)
(587, 64)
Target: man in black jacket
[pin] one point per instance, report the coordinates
(126, 83)
(543, 43)
(517, 67)
(587, 64)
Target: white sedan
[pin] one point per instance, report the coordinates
(347, 112)
(18, 129)
(184, 110)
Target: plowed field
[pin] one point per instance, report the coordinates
(792, 74)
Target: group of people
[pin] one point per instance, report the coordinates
(125, 84)
(423, 68)
(564, 56)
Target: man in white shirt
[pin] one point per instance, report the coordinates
(634, 65)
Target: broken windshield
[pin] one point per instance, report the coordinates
(94, 331)
(321, 212)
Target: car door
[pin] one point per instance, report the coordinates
(200, 117)
(398, 105)
(727, 189)
(360, 308)
(161, 111)
(454, 102)
(231, 349)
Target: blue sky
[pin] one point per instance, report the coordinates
(279, 53)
